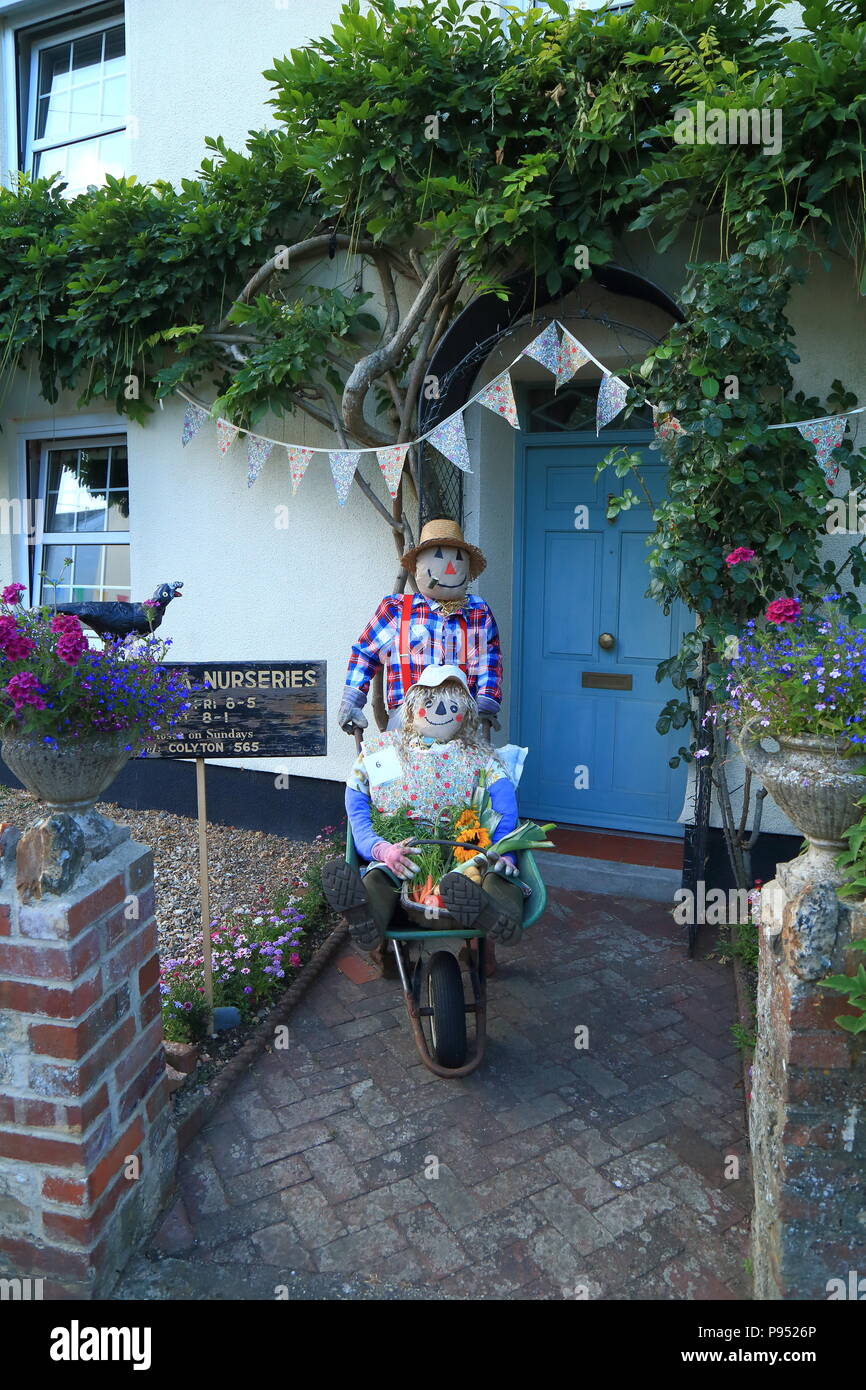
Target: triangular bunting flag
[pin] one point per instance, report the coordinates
(571, 358)
(826, 435)
(450, 439)
(193, 420)
(611, 400)
(226, 435)
(545, 349)
(391, 462)
(299, 458)
(258, 450)
(499, 397)
(343, 465)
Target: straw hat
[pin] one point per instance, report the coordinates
(444, 532)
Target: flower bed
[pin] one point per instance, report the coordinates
(257, 953)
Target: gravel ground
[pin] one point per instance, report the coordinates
(240, 863)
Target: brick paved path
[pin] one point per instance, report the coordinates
(558, 1167)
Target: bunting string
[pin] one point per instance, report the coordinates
(555, 348)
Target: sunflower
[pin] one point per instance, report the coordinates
(475, 835)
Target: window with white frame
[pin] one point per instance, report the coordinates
(82, 517)
(73, 99)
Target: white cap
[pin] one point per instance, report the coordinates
(438, 675)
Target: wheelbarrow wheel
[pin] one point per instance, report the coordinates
(448, 1019)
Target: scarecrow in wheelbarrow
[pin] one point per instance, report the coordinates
(434, 842)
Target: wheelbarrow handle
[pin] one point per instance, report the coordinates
(455, 844)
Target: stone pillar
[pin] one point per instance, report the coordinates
(808, 1108)
(87, 1150)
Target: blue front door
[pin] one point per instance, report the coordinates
(588, 643)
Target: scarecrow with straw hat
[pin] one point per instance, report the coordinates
(440, 625)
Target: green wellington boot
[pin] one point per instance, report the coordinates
(344, 889)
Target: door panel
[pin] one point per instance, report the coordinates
(577, 583)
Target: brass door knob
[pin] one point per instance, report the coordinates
(607, 641)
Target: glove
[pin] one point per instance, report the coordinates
(501, 864)
(395, 858)
(351, 717)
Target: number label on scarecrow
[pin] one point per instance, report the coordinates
(249, 709)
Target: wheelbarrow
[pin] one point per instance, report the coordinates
(432, 980)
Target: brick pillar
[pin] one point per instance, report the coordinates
(87, 1149)
(808, 1110)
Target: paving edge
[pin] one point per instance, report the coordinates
(191, 1123)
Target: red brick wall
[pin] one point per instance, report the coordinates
(808, 1108)
(86, 1148)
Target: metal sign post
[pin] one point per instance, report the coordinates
(204, 890)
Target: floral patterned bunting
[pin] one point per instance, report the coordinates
(611, 399)
(193, 420)
(572, 356)
(299, 459)
(391, 463)
(826, 435)
(258, 451)
(226, 435)
(343, 465)
(450, 439)
(499, 397)
(545, 349)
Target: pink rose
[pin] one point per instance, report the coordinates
(783, 610)
(741, 556)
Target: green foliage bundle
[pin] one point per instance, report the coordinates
(521, 141)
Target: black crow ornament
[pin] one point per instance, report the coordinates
(116, 620)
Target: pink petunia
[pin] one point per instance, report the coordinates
(24, 689)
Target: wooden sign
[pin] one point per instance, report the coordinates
(250, 709)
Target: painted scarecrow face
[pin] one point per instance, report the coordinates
(442, 572)
(440, 712)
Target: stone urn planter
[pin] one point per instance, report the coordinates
(68, 777)
(816, 787)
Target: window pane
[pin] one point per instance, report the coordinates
(86, 54)
(85, 163)
(119, 468)
(76, 490)
(113, 101)
(52, 563)
(52, 107)
(115, 47)
(87, 570)
(84, 106)
(116, 577)
(118, 511)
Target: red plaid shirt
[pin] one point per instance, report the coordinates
(434, 640)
